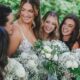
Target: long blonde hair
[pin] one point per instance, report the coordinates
(54, 34)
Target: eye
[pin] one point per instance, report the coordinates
(22, 9)
(47, 21)
(71, 26)
(31, 11)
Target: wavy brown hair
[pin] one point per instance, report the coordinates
(75, 32)
(36, 7)
(4, 44)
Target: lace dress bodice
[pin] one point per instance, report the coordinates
(25, 46)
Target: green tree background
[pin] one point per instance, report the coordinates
(62, 7)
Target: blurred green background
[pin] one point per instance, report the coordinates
(62, 7)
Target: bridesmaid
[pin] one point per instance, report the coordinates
(69, 31)
(49, 31)
(8, 67)
(49, 27)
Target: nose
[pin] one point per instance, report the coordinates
(64, 26)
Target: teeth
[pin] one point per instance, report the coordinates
(65, 30)
(48, 28)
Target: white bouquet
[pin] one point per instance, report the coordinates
(48, 53)
(30, 63)
(70, 62)
(14, 70)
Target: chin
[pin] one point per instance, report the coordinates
(27, 22)
(65, 34)
(48, 32)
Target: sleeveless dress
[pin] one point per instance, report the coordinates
(28, 58)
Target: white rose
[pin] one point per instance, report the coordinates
(75, 64)
(68, 64)
(43, 51)
(55, 58)
(47, 55)
(19, 70)
(47, 48)
(24, 55)
(31, 63)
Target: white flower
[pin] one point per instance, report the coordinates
(14, 68)
(47, 55)
(74, 65)
(32, 63)
(19, 70)
(71, 64)
(48, 49)
(55, 57)
(68, 64)
(43, 51)
(24, 55)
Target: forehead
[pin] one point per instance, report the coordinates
(27, 6)
(51, 18)
(70, 21)
(10, 17)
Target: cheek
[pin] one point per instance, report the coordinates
(54, 28)
(23, 14)
(32, 16)
(71, 30)
(63, 27)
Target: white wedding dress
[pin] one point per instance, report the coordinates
(28, 58)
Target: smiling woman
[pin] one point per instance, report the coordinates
(49, 27)
(26, 25)
(26, 29)
(69, 31)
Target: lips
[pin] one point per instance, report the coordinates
(26, 18)
(48, 28)
(65, 30)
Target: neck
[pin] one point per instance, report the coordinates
(45, 36)
(25, 25)
(66, 38)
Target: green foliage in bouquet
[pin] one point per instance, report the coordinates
(75, 72)
(38, 44)
(50, 66)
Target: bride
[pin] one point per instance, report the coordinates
(25, 34)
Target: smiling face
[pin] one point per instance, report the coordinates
(50, 24)
(9, 23)
(68, 27)
(27, 13)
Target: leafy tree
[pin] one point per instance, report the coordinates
(62, 7)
